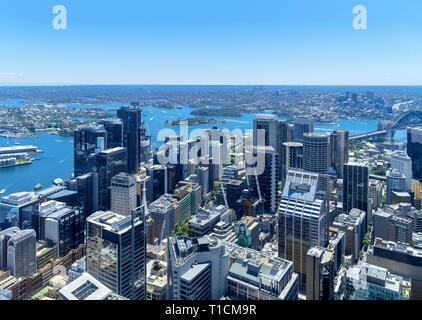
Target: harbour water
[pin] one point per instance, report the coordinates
(57, 159)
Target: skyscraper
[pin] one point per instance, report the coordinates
(396, 181)
(88, 141)
(414, 151)
(315, 156)
(197, 268)
(276, 131)
(110, 162)
(302, 125)
(114, 131)
(18, 251)
(267, 187)
(339, 147)
(131, 118)
(291, 158)
(123, 193)
(116, 252)
(403, 163)
(320, 274)
(301, 220)
(355, 187)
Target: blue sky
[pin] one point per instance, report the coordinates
(211, 42)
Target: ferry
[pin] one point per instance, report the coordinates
(38, 187)
(2, 191)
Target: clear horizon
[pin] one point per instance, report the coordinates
(216, 42)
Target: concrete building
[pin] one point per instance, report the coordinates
(123, 194)
(339, 150)
(369, 282)
(316, 156)
(396, 181)
(197, 268)
(86, 287)
(354, 226)
(400, 259)
(319, 274)
(18, 251)
(256, 275)
(116, 252)
(157, 280)
(302, 220)
(205, 220)
(403, 163)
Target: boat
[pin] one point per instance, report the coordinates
(38, 187)
(2, 191)
(58, 182)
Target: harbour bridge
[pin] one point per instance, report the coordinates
(403, 120)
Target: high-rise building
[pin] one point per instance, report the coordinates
(403, 163)
(267, 187)
(145, 141)
(275, 131)
(131, 118)
(123, 194)
(316, 156)
(319, 274)
(291, 157)
(396, 181)
(355, 187)
(339, 150)
(159, 180)
(18, 251)
(116, 252)
(197, 268)
(114, 132)
(87, 188)
(302, 125)
(162, 212)
(110, 162)
(301, 220)
(63, 226)
(414, 151)
(88, 141)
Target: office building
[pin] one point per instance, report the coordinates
(64, 227)
(339, 150)
(123, 194)
(17, 210)
(414, 151)
(302, 125)
(264, 186)
(205, 220)
(116, 252)
(302, 220)
(319, 274)
(162, 212)
(355, 187)
(87, 189)
(88, 141)
(354, 226)
(316, 156)
(131, 119)
(157, 280)
(291, 158)
(114, 132)
(18, 251)
(197, 268)
(110, 162)
(257, 275)
(400, 259)
(403, 163)
(369, 282)
(87, 287)
(396, 181)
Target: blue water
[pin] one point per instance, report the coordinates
(57, 159)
